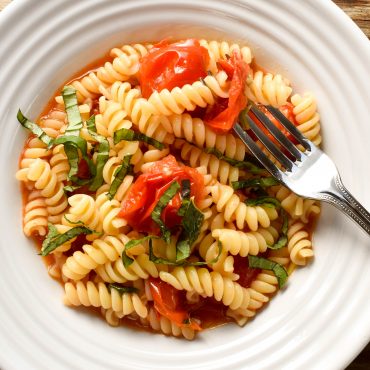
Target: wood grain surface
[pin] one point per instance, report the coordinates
(359, 11)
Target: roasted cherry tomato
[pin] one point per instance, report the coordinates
(150, 186)
(172, 65)
(223, 114)
(167, 303)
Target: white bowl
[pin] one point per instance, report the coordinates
(321, 320)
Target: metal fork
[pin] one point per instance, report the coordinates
(310, 174)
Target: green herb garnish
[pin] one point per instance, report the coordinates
(191, 222)
(251, 167)
(283, 238)
(266, 264)
(160, 206)
(131, 135)
(71, 188)
(164, 261)
(71, 105)
(54, 239)
(119, 176)
(260, 182)
(127, 261)
(263, 201)
(34, 128)
(121, 289)
(102, 154)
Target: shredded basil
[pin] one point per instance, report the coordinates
(263, 201)
(266, 264)
(71, 105)
(34, 128)
(121, 289)
(191, 222)
(253, 168)
(283, 238)
(71, 188)
(102, 156)
(54, 239)
(164, 261)
(160, 206)
(243, 116)
(119, 176)
(131, 135)
(127, 261)
(73, 222)
(260, 182)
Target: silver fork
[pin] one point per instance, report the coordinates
(311, 174)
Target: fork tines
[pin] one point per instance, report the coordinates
(272, 147)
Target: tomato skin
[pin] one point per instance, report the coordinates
(225, 117)
(149, 187)
(172, 65)
(167, 301)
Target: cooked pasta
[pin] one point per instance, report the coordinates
(145, 204)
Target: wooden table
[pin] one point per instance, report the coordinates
(359, 11)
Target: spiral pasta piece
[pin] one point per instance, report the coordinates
(195, 131)
(35, 219)
(83, 209)
(55, 122)
(161, 324)
(245, 243)
(234, 209)
(98, 295)
(140, 111)
(261, 290)
(101, 251)
(297, 207)
(52, 189)
(138, 50)
(111, 118)
(299, 244)
(306, 116)
(209, 251)
(223, 50)
(209, 284)
(219, 169)
(34, 149)
(59, 163)
(268, 89)
(108, 213)
(141, 268)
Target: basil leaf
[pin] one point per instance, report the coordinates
(234, 162)
(283, 238)
(34, 128)
(243, 116)
(119, 176)
(158, 260)
(191, 222)
(127, 261)
(73, 222)
(131, 135)
(73, 157)
(54, 239)
(260, 182)
(71, 188)
(71, 105)
(265, 264)
(102, 156)
(76, 140)
(121, 289)
(263, 201)
(160, 206)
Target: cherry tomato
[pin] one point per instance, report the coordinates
(221, 118)
(172, 65)
(167, 303)
(150, 186)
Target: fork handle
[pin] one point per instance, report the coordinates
(340, 197)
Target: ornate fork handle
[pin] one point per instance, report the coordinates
(340, 197)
